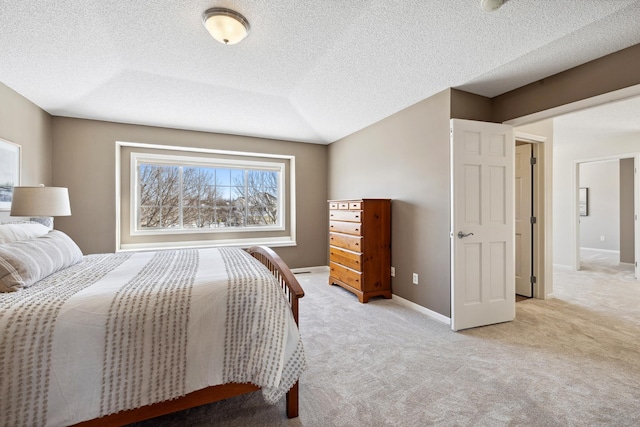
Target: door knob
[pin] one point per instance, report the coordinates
(462, 235)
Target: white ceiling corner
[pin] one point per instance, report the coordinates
(308, 71)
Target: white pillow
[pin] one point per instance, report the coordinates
(16, 232)
(24, 263)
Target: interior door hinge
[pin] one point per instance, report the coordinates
(532, 160)
(532, 279)
(532, 220)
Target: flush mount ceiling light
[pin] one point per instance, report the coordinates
(491, 5)
(225, 25)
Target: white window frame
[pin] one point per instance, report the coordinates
(187, 161)
(286, 196)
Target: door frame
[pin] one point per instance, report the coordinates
(575, 214)
(542, 289)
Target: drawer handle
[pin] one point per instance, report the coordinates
(357, 216)
(357, 229)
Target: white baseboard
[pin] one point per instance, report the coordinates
(317, 269)
(398, 300)
(609, 251)
(412, 305)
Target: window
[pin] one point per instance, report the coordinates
(178, 194)
(171, 197)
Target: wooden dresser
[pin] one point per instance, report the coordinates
(360, 246)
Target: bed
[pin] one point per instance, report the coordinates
(111, 339)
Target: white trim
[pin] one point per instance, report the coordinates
(583, 104)
(274, 242)
(118, 195)
(316, 269)
(412, 305)
(609, 251)
(179, 161)
(202, 150)
(529, 137)
(288, 198)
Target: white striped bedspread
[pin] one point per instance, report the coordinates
(120, 331)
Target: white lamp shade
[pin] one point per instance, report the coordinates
(40, 201)
(226, 26)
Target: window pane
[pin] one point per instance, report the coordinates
(198, 186)
(222, 217)
(236, 215)
(159, 185)
(237, 177)
(256, 217)
(223, 176)
(170, 217)
(224, 196)
(202, 197)
(237, 195)
(201, 217)
(159, 196)
(149, 217)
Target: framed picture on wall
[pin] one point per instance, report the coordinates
(583, 201)
(9, 172)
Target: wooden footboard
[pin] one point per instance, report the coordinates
(292, 290)
(282, 273)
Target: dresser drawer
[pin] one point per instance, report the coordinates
(352, 243)
(354, 228)
(333, 205)
(355, 205)
(351, 216)
(343, 205)
(349, 259)
(352, 278)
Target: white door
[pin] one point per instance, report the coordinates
(482, 221)
(523, 220)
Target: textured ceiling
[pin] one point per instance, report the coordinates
(601, 124)
(311, 71)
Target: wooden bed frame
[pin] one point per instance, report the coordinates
(293, 292)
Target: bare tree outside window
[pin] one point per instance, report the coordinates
(196, 197)
(159, 188)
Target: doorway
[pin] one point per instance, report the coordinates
(524, 219)
(606, 206)
(532, 216)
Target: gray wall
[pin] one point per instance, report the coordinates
(23, 123)
(627, 240)
(84, 161)
(603, 181)
(405, 157)
(612, 72)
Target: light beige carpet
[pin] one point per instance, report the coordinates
(570, 361)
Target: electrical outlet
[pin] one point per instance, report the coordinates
(393, 272)
(602, 238)
(415, 278)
